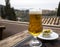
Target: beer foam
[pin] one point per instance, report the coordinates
(35, 12)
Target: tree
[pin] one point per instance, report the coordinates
(11, 14)
(7, 12)
(58, 11)
(2, 13)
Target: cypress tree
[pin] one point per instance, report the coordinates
(10, 13)
(7, 12)
(58, 11)
(2, 13)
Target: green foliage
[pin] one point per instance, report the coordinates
(2, 13)
(58, 11)
(12, 15)
(8, 13)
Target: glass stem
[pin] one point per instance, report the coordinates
(35, 42)
(35, 38)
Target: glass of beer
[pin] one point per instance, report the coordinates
(35, 27)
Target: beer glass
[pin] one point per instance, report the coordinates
(35, 27)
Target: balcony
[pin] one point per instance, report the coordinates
(16, 31)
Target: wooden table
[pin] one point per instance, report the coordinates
(22, 39)
(1, 31)
(46, 43)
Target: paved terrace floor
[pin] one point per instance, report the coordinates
(12, 27)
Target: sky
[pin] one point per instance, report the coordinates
(36, 4)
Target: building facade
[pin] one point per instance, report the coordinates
(22, 15)
(49, 12)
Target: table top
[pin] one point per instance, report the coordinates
(46, 43)
(2, 26)
(22, 39)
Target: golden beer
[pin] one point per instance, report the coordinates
(35, 25)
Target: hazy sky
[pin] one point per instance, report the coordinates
(27, 4)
